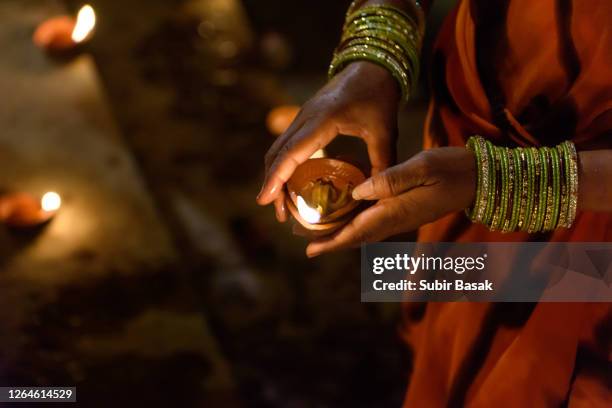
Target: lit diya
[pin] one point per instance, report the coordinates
(320, 194)
(22, 210)
(59, 35)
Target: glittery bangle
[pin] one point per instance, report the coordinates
(492, 182)
(543, 197)
(501, 191)
(537, 192)
(505, 187)
(524, 188)
(357, 53)
(555, 190)
(518, 179)
(385, 46)
(548, 204)
(485, 168)
(527, 189)
(385, 35)
(382, 15)
(573, 190)
(564, 181)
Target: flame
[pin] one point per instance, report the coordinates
(51, 201)
(85, 23)
(318, 154)
(309, 214)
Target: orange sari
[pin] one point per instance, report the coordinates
(520, 72)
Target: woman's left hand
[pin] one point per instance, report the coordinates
(420, 190)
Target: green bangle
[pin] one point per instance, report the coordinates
(533, 222)
(407, 30)
(505, 188)
(544, 182)
(485, 168)
(550, 182)
(499, 194)
(505, 227)
(360, 53)
(524, 189)
(409, 51)
(563, 171)
(382, 10)
(518, 177)
(530, 188)
(387, 34)
(382, 45)
(556, 189)
(492, 180)
(573, 190)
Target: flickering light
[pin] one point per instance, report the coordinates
(85, 23)
(309, 214)
(50, 201)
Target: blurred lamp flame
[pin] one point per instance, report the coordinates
(51, 201)
(309, 214)
(85, 23)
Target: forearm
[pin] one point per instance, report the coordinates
(595, 180)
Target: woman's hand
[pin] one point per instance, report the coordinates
(360, 101)
(428, 186)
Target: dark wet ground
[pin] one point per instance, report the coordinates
(184, 293)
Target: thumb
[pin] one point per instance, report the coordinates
(392, 181)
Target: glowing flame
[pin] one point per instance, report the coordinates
(51, 201)
(85, 23)
(318, 154)
(309, 214)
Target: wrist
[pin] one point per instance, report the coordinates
(379, 77)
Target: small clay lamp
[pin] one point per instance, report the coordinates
(320, 194)
(62, 35)
(22, 210)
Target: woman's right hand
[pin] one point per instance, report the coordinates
(361, 101)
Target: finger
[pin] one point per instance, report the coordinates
(314, 135)
(382, 150)
(371, 225)
(281, 141)
(280, 207)
(393, 181)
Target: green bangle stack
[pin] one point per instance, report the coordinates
(524, 189)
(384, 35)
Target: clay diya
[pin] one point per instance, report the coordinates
(22, 210)
(319, 194)
(63, 34)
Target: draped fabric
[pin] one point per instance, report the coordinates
(521, 73)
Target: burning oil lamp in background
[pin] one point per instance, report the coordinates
(320, 194)
(22, 210)
(64, 34)
(280, 117)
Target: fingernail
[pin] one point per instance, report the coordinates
(312, 252)
(364, 190)
(281, 214)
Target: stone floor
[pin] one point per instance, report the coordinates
(160, 282)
